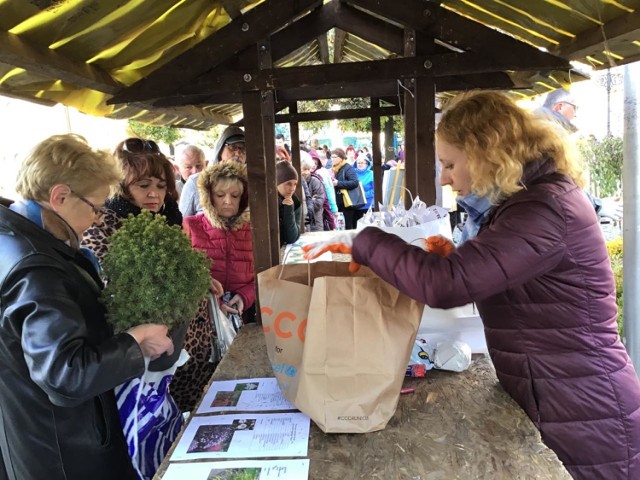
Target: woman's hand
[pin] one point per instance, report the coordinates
(288, 200)
(153, 339)
(235, 305)
(216, 287)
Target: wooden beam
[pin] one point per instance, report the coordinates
(386, 89)
(451, 28)
(303, 31)
(323, 44)
(232, 8)
(259, 22)
(594, 41)
(369, 28)
(337, 114)
(338, 45)
(48, 63)
(437, 65)
(38, 101)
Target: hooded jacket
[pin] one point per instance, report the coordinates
(189, 201)
(59, 362)
(541, 277)
(227, 242)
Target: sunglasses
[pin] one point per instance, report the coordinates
(138, 145)
(236, 147)
(99, 211)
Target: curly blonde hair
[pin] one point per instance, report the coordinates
(500, 138)
(66, 159)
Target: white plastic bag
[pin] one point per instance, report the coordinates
(225, 331)
(402, 223)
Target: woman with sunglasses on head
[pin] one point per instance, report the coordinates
(59, 357)
(148, 183)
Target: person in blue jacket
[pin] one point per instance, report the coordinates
(365, 175)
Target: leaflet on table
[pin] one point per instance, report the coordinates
(244, 436)
(245, 469)
(248, 395)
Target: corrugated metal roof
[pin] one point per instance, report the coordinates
(81, 52)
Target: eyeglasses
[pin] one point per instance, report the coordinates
(99, 211)
(138, 145)
(236, 147)
(575, 107)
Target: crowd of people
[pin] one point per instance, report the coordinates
(60, 358)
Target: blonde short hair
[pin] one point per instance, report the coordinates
(500, 138)
(69, 160)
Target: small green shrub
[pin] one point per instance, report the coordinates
(615, 249)
(153, 274)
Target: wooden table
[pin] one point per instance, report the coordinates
(455, 426)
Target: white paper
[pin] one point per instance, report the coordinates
(248, 395)
(249, 469)
(247, 435)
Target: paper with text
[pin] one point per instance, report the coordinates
(244, 436)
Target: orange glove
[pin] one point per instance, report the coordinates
(341, 243)
(440, 245)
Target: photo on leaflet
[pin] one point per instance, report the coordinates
(247, 386)
(212, 438)
(230, 399)
(234, 474)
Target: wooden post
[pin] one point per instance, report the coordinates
(267, 113)
(295, 160)
(410, 151)
(425, 116)
(259, 195)
(294, 129)
(376, 155)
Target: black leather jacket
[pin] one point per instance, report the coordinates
(59, 362)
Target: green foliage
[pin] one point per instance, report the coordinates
(154, 275)
(348, 125)
(235, 474)
(168, 135)
(615, 249)
(605, 164)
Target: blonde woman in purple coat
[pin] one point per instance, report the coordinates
(540, 274)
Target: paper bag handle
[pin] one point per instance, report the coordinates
(284, 261)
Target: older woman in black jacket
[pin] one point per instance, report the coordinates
(346, 178)
(59, 357)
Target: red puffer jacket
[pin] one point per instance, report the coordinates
(541, 277)
(227, 243)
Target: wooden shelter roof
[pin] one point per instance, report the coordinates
(186, 63)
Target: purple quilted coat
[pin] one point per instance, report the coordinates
(540, 275)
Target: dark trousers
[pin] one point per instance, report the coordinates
(350, 218)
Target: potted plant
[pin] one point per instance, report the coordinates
(154, 276)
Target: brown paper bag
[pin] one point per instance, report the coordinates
(340, 347)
